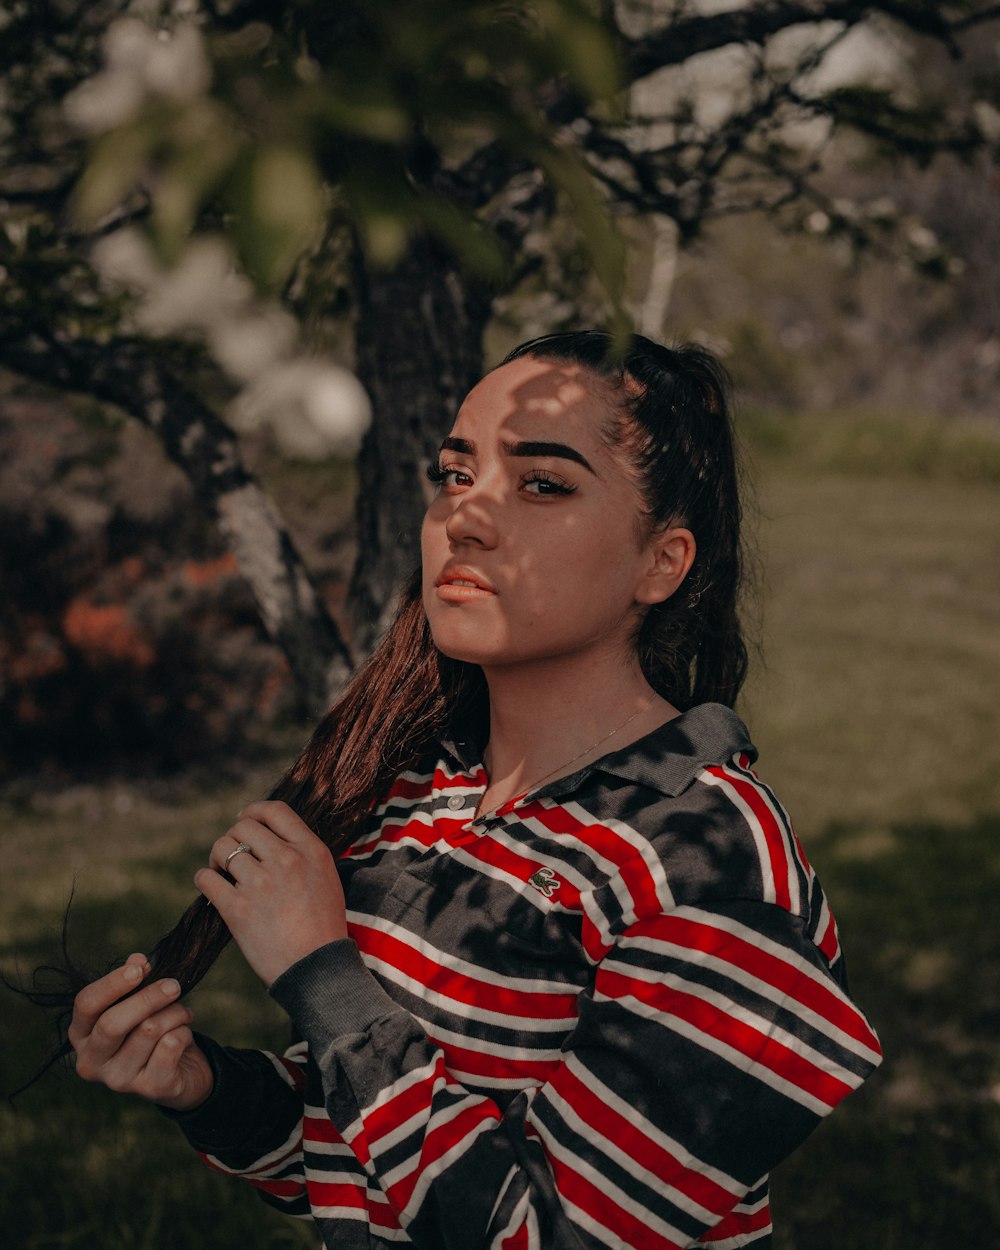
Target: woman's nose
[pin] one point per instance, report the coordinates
(473, 520)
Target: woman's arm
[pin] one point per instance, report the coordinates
(713, 1041)
(241, 1109)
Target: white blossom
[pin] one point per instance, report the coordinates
(314, 409)
(140, 64)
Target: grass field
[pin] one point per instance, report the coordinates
(876, 713)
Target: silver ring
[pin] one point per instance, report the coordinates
(243, 846)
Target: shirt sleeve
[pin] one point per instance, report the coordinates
(251, 1124)
(710, 1043)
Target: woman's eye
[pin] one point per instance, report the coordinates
(538, 482)
(442, 475)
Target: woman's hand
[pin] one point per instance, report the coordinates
(142, 1044)
(285, 899)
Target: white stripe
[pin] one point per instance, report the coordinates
(634, 840)
(522, 1214)
(784, 825)
(827, 922)
(295, 1054)
(390, 1092)
(338, 1213)
(741, 976)
(790, 959)
(431, 1171)
(436, 1120)
(455, 963)
(745, 1015)
(768, 891)
(604, 1186)
(669, 1144)
(738, 1242)
(519, 884)
(284, 1156)
(382, 841)
(444, 1038)
(736, 1057)
(468, 1011)
(595, 1137)
(508, 1180)
(751, 1208)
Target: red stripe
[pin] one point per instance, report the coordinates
(625, 1227)
(488, 1067)
(829, 940)
(610, 845)
(489, 851)
(636, 1144)
(737, 1223)
(336, 1194)
(409, 1102)
(381, 1215)
(280, 1189)
(437, 1143)
(758, 1047)
(771, 827)
(517, 1240)
(707, 939)
(317, 1128)
(530, 1004)
(296, 1070)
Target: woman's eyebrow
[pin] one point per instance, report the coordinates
(561, 450)
(548, 449)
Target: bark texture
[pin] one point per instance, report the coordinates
(419, 352)
(130, 376)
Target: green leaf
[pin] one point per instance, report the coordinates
(278, 202)
(584, 46)
(477, 249)
(114, 166)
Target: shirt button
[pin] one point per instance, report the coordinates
(456, 802)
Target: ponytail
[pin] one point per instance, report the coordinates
(673, 425)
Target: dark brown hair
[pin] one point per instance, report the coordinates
(670, 416)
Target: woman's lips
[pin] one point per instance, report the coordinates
(461, 585)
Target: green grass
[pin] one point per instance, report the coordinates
(877, 719)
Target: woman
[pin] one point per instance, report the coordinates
(570, 980)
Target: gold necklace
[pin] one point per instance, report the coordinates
(572, 760)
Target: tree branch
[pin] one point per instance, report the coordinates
(126, 373)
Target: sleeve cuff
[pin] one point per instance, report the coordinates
(230, 1115)
(330, 993)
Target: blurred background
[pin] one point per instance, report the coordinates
(253, 254)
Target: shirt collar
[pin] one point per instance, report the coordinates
(666, 759)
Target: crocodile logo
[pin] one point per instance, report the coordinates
(545, 881)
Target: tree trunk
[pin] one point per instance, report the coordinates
(419, 352)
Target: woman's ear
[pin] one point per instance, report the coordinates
(670, 553)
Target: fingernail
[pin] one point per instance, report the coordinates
(132, 973)
(170, 987)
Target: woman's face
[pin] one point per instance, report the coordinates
(530, 548)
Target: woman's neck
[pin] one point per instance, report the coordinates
(549, 719)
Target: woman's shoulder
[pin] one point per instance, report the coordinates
(693, 803)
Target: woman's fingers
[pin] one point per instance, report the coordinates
(123, 1070)
(233, 846)
(103, 1035)
(94, 999)
(278, 818)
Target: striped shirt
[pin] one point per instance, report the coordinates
(596, 1017)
